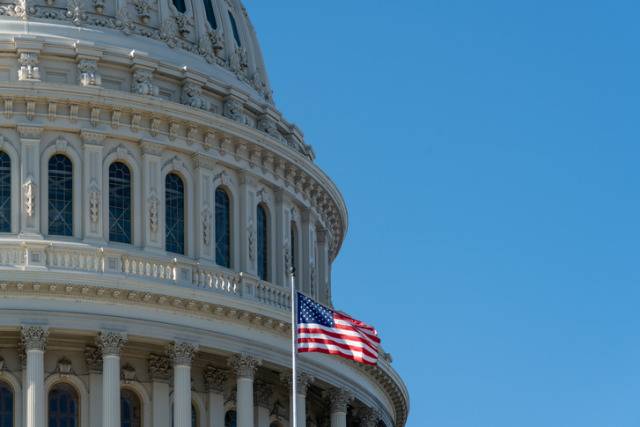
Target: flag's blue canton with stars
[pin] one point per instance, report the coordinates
(310, 311)
(321, 329)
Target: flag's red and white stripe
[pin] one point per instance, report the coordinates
(349, 338)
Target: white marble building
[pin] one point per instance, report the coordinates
(152, 199)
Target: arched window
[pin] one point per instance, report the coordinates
(194, 416)
(60, 202)
(63, 406)
(6, 405)
(174, 214)
(234, 28)
(230, 419)
(119, 203)
(5, 192)
(130, 409)
(211, 16)
(294, 246)
(263, 243)
(181, 5)
(223, 228)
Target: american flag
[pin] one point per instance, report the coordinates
(321, 329)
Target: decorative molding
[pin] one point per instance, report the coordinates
(181, 353)
(34, 337)
(111, 343)
(244, 365)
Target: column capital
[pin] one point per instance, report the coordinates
(339, 399)
(159, 367)
(369, 417)
(110, 343)
(34, 337)
(262, 393)
(304, 381)
(215, 378)
(244, 365)
(181, 353)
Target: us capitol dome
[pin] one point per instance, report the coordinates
(152, 199)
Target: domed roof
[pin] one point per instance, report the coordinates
(213, 38)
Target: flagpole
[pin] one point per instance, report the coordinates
(294, 375)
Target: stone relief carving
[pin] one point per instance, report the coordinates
(128, 374)
(64, 367)
(192, 96)
(93, 358)
(184, 24)
(153, 212)
(215, 378)
(238, 62)
(88, 69)
(98, 6)
(94, 202)
(251, 239)
(143, 83)
(29, 69)
(233, 110)
(74, 12)
(143, 9)
(206, 226)
(263, 394)
(29, 189)
(159, 367)
(267, 125)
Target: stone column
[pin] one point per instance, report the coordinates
(245, 367)
(304, 381)
(34, 339)
(262, 397)
(93, 359)
(110, 344)
(215, 380)
(339, 400)
(160, 372)
(182, 354)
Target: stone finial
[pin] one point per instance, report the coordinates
(339, 399)
(304, 381)
(111, 343)
(159, 367)
(93, 358)
(215, 378)
(244, 365)
(262, 394)
(181, 353)
(34, 337)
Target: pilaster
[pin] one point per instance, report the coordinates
(160, 373)
(30, 180)
(153, 197)
(92, 186)
(248, 231)
(204, 209)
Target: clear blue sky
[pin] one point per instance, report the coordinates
(489, 153)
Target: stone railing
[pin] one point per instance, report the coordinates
(134, 264)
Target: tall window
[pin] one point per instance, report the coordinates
(60, 196)
(174, 214)
(5, 192)
(294, 246)
(6, 405)
(223, 228)
(180, 5)
(119, 203)
(211, 16)
(130, 409)
(263, 238)
(230, 419)
(63, 406)
(234, 28)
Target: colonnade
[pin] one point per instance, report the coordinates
(252, 398)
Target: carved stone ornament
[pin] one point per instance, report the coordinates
(244, 365)
(251, 240)
(192, 96)
(262, 394)
(75, 12)
(159, 367)
(215, 378)
(339, 399)
(206, 227)
(238, 62)
(93, 358)
(142, 83)
(143, 9)
(267, 125)
(2, 364)
(64, 367)
(304, 381)
(153, 212)
(233, 110)
(369, 417)
(94, 202)
(29, 189)
(181, 353)
(128, 374)
(88, 69)
(34, 337)
(29, 69)
(111, 343)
